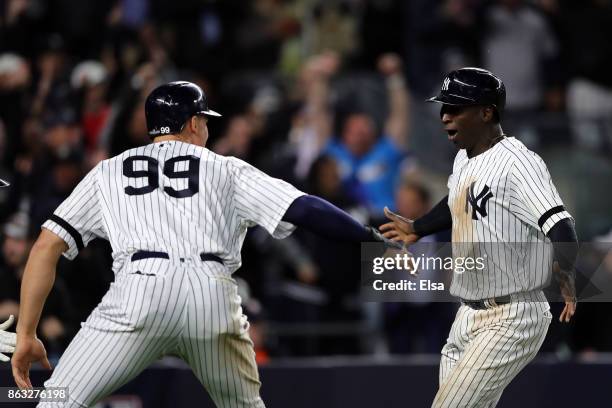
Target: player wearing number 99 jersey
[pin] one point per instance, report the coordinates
(176, 215)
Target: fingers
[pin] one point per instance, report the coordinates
(571, 309)
(386, 226)
(393, 216)
(391, 234)
(562, 316)
(411, 239)
(7, 348)
(396, 216)
(568, 312)
(8, 323)
(8, 338)
(21, 376)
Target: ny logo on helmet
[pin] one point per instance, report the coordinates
(445, 84)
(478, 202)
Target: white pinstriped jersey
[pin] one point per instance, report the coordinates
(503, 202)
(172, 197)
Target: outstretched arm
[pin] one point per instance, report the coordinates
(325, 219)
(36, 284)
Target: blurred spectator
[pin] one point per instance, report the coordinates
(15, 80)
(371, 164)
(261, 34)
(20, 25)
(236, 140)
(418, 324)
(15, 248)
(334, 28)
(130, 13)
(324, 180)
(90, 78)
(519, 46)
(312, 125)
(53, 182)
(335, 265)
(56, 325)
(441, 35)
(586, 27)
(53, 86)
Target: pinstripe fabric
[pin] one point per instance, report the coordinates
(231, 196)
(486, 349)
(188, 309)
(180, 199)
(504, 229)
(503, 202)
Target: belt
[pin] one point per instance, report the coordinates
(487, 303)
(204, 257)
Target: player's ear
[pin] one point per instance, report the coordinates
(193, 124)
(487, 114)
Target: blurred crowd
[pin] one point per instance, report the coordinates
(324, 94)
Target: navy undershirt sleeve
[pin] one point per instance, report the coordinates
(436, 220)
(325, 219)
(563, 233)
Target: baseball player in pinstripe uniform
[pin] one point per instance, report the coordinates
(176, 215)
(503, 206)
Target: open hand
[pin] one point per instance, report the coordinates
(28, 350)
(399, 229)
(568, 312)
(568, 291)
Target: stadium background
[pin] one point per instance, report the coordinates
(293, 80)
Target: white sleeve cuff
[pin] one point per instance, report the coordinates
(64, 234)
(551, 220)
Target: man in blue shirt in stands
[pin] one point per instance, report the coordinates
(369, 165)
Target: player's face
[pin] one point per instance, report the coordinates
(463, 124)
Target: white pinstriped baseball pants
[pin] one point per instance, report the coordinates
(158, 307)
(487, 348)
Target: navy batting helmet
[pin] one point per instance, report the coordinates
(168, 107)
(472, 87)
(4, 183)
